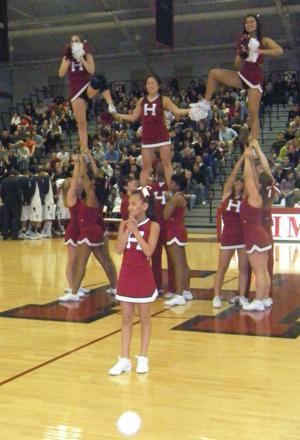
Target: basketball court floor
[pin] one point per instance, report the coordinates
(214, 375)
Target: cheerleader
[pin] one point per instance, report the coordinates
(231, 238)
(79, 64)
(257, 240)
(267, 214)
(91, 237)
(176, 240)
(131, 185)
(252, 47)
(155, 135)
(137, 240)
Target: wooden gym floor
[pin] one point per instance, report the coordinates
(215, 375)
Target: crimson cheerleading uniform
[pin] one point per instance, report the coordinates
(136, 282)
(251, 73)
(154, 131)
(256, 237)
(159, 190)
(232, 232)
(72, 230)
(175, 229)
(91, 232)
(79, 78)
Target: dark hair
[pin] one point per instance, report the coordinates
(257, 18)
(101, 189)
(150, 200)
(180, 181)
(266, 182)
(157, 79)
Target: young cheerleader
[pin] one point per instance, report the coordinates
(176, 240)
(231, 237)
(257, 239)
(251, 49)
(79, 64)
(155, 135)
(137, 240)
(91, 231)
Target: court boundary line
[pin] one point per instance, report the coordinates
(67, 353)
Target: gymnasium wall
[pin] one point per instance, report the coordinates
(6, 89)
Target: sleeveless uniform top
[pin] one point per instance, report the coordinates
(251, 73)
(256, 236)
(72, 230)
(79, 78)
(175, 229)
(136, 282)
(90, 231)
(232, 233)
(154, 130)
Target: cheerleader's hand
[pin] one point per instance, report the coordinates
(248, 153)
(243, 49)
(131, 225)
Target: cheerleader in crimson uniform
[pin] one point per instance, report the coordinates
(159, 189)
(91, 237)
(137, 240)
(252, 46)
(155, 135)
(176, 240)
(71, 192)
(257, 239)
(79, 64)
(267, 221)
(231, 235)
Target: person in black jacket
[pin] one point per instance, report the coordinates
(11, 194)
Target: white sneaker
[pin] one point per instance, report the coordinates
(187, 295)
(84, 290)
(142, 364)
(169, 295)
(22, 236)
(176, 300)
(243, 301)
(111, 291)
(120, 367)
(268, 302)
(45, 235)
(234, 300)
(81, 293)
(112, 108)
(255, 305)
(69, 297)
(217, 303)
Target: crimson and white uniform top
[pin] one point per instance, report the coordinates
(136, 282)
(79, 78)
(154, 131)
(159, 190)
(251, 73)
(228, 213)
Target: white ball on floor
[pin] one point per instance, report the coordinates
(129, 423)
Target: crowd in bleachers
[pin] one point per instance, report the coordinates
(35, 146)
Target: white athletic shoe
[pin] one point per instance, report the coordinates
(84, 290)
(234, 300)
(81, 293)
(268, 302)
(243, 301)
(254, 306)
(217, 303)
(120, 367)
(45, 235)
(111, 291)
(169, 295)
(176, 300)
(69, 297)
(142, 364)
(112, 108)
(187, 295)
